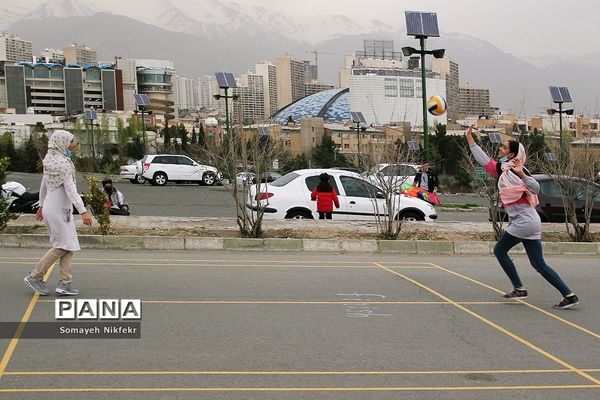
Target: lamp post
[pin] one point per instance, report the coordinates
(560, 95)
(421, 26)
(226, 96)
(91, 115)
(438, 53)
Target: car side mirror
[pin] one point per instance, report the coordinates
(380, 195)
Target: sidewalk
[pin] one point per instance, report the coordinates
(329, 228)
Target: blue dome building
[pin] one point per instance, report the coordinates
(332, 105)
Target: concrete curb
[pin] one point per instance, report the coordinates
(308, 245)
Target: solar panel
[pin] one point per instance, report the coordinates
(91, 114)
(560, 94)
(263, 131)
(550, 157)
(421, 23)
(495, 137)
(142, 100)
(225, 80)
(358, 117)
(413, 145)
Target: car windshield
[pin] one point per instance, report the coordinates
(284, 180)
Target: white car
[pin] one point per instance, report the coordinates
(396, 174)
(289, 197)
(245, 178)
(161, 168)
(130, 172)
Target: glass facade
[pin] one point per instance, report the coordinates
(333, 105)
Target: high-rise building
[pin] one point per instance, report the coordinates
(268, 71)
(207, 88)
(157, 83)
(448, 70)
(79, 54)
(13, 49)
(473, 101)
(53, 56)
(127, 66)
(55, 89)
(187, 93)
(249, 108)
(290, 80)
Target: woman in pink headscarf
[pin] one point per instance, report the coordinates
(518, 193)
(58, 195)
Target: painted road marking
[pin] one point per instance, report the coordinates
(495, 326)
(14, 341)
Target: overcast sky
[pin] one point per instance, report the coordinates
(521, 27)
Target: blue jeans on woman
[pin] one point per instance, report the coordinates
(533, 247)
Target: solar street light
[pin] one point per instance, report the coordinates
(226, 81)
(422, 25)
(560, 95)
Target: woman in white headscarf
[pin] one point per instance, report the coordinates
(518, 193)
(58, 195)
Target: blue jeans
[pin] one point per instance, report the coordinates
(533, 247)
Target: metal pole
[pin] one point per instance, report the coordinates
(560, 113)
(424, 95)
(226, 112)
(143, 130)
(358, 133)
(93, 147)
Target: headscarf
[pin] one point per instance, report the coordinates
(57, 166)
(510, 185)
(324, 185)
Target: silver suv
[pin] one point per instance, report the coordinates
(161, 168)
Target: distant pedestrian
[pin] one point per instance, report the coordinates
(326, 197)
(426, 179)
(58, 195)
(115, 201)
(518, 193)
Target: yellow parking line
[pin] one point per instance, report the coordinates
(549, 314)
(301, 389)
(276, 373)
(301, 302)
(496, 326)
(15, 340)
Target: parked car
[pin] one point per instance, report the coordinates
(396, 174)
(551, 207)
(130, 172)
(161, 168)
(269, 176)
(245, 178)
(289, 197)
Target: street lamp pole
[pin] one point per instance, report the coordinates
(358, 135)
(424, 98)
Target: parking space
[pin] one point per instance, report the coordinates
(232, 325)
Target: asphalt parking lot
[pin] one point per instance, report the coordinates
(255, 325)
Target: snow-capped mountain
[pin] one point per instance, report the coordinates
(208, 18)
(204, 36)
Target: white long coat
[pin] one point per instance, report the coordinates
(57, 206)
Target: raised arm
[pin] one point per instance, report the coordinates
(480, 156)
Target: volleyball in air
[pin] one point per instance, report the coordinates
(436, 105)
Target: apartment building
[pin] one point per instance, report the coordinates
(80, 54)
(13, 49)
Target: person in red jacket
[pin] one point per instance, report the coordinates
(325, 196)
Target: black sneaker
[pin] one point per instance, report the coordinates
(567, 302)
(516, 294)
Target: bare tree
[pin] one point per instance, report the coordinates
(574, 173)
(386, 193)
(249, 154)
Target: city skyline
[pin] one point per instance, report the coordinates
(531, 28)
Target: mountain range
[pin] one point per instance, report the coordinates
(204, 36)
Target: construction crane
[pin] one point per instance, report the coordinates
(316, 53)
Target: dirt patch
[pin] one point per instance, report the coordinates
(410, 232)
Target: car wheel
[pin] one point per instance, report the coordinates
(208, 179)
(411, 216)
(299, 214)
(160, 179)
(140, 179)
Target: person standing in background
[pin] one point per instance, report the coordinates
(426, 179)
(325, 196)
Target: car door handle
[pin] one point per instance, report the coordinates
(352, 202)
